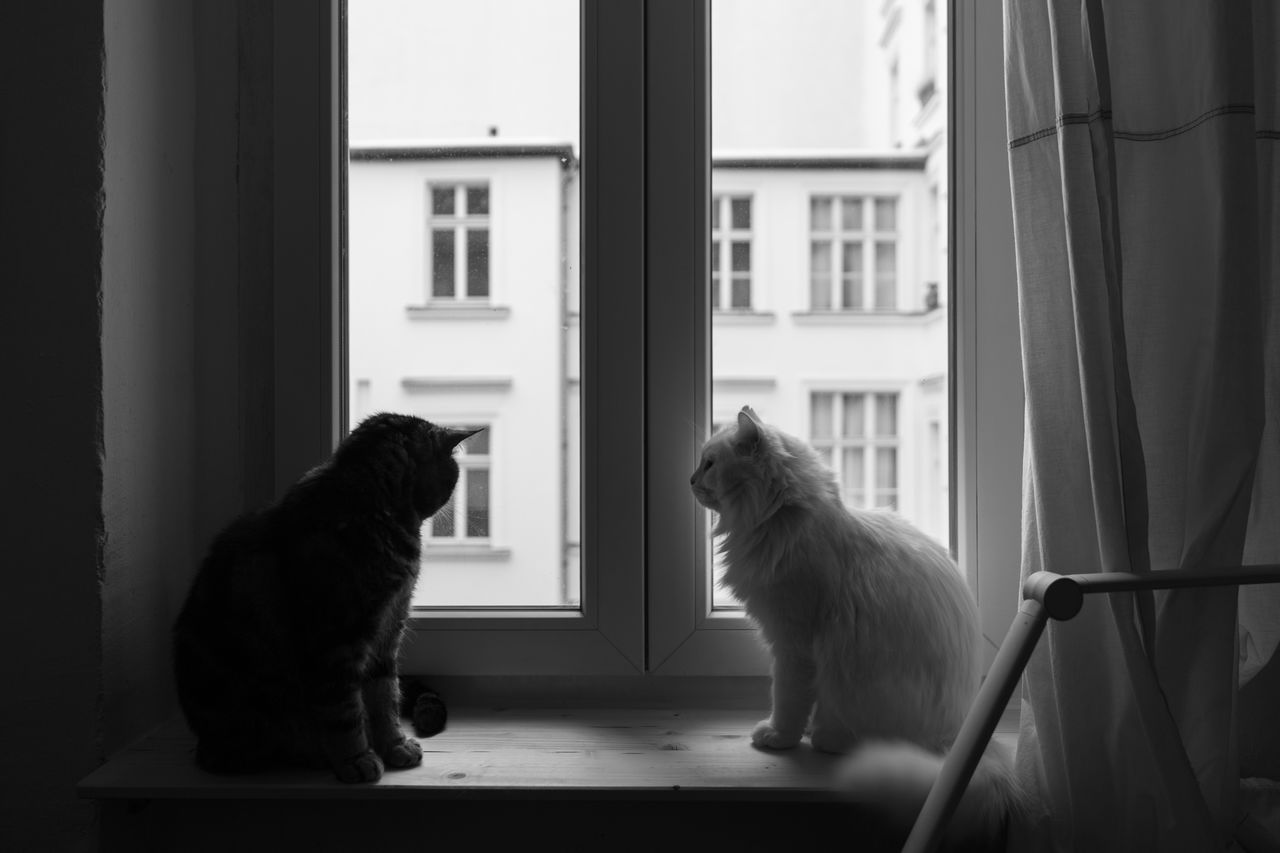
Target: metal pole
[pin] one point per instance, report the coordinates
(1046, 595)
(1174, 578)
(962, 759)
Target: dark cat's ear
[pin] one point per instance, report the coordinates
(748, 435)
(454, 437)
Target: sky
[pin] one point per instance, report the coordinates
(786, 74)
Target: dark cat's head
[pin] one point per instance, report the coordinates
(749, 469)
(411, 457)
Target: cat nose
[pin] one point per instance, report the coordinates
(693, 478)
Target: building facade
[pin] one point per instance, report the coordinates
(827, 285)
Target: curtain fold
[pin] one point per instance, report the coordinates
(1143, 140)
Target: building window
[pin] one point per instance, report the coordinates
(459, 227)
(853, 253)
(929, 52)
(857, 435)
(466, 517)
(731, 253)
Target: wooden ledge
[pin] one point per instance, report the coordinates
(519, 753)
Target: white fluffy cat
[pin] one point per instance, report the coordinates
(873, 632)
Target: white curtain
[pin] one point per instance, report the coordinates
(1144, 140)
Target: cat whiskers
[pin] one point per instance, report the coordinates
(445, 513)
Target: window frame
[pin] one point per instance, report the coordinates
(641, 530)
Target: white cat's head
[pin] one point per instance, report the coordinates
(748, 469)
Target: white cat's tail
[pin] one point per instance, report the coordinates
(893, 778)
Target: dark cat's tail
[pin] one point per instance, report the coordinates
(422, 706)
(893, 778)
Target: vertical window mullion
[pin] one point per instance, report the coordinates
(869, 444)
(459, 244)
(460, 505)
(677, 328)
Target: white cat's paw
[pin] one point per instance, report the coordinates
(767, 736)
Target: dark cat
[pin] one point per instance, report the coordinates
(285, 650)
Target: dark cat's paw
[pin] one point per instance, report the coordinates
(406, 753)
(365, 767)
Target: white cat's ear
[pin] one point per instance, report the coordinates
(751, 413)
(748, 435)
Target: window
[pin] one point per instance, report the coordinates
(853, 242)
(464, 193)
(646, 386)
(928, 78)
(731, 253)
(857, 435)
(466, 517)
(459, 225)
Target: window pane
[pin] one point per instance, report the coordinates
(851, 292)
(478, 444)
(741, 292)
(886, 414)
(715, 291)
(442, 200)
(477, 201)
(441, 523)
(477, 502)
(820, 293)
(442, 262)
(886, 275)
(851, 257)
(444, 209)
(820, 214)
(851, 214)
(886, 468)
(827, 455)
(820, 273)
(741, 256)
(851, 282)
(477, 262)
(742, 213)
(855, 415)
(886, 214)
(853, 475)
(860, 237)
(715, 212)
(820, 414)
(820, 257)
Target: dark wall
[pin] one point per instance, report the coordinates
(51, 180)
(106, 490)
(148, 357)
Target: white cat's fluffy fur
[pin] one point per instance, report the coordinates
(873, 632)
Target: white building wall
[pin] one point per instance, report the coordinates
(503, 366)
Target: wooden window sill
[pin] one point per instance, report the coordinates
(523, 753)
